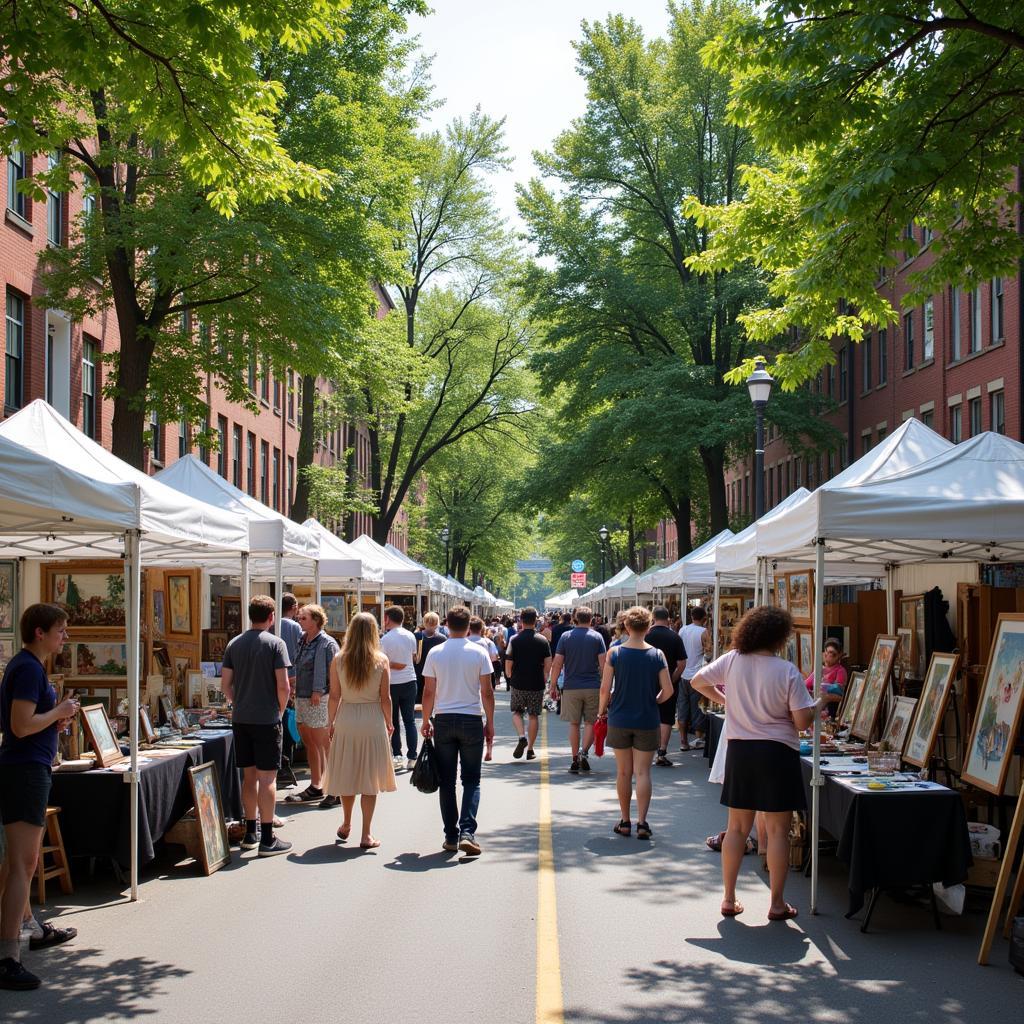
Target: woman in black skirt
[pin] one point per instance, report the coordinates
(766, 704)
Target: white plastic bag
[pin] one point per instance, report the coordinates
(951, 900)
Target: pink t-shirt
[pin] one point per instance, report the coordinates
(762, 690)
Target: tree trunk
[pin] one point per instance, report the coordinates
(128, 426)
(713, 460)
(683, 526)
(631, 548)
(304, 455)
(348, 523)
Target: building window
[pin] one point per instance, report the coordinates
(222, 444)
(997, 309)
(956, 430)
(831, 371)
(954, 324)
(89, 388)
(997, 412)
(831, 463)
(291, 484)
(866, 358)
(844, 355)
(865, 444)
(275, 469)
(928, 340)
(928, 418)
(844, 454)
(15, 351)
(17, 202)
(883, 355)
(974, 344)
(265, 382)
(798, 474)
(927, 235)
(156, 438)
(250, 464)
(183, 445)
(252, 372)
(908, 340)
(54, 207)
(277, 393)
(974, 416)
(881, 435)
(291, 394)
(236, 457)
(264, 459)
(204, 448)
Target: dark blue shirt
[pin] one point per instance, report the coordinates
(634, 703)
(581, 647)
(25, 679)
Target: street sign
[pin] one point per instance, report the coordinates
(578, 580)
(578, 565)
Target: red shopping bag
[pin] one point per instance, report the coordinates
(600, 734)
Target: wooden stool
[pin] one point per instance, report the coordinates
(53, 845)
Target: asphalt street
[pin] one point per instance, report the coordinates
(409, 933)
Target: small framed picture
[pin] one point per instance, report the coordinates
(195, 690)
(230, 617)
(100, 734)
(146, 730)
(214, 642)
(800, 594)
(180, 720)
(166, 711)
(180, 613)
(894, 735)
(213, 831)
(931, 708)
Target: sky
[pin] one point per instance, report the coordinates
(515, 59)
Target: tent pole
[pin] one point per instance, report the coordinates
(316, 581)
(418, 614)
(819, 629)
(682, 604)
(381, 622)
(278, 588)
(244, 589)
(133, 612)
(890, 612)
(757, 582)
(714, 631)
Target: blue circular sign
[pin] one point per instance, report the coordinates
(578, 565)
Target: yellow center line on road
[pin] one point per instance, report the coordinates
(549, 970)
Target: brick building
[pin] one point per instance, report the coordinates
(954, 362)
(49, 356)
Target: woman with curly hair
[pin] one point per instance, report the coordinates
(766, 706)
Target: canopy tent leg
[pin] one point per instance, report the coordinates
(757, 582)
(714, 624)
(381, 620)
(682, 605)
(278, 590)
(244, 589)
(133, 612)
(819, 629)
(890, 612)
(418, 615)
(316, 582)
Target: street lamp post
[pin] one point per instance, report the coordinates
(759, 384)
(603, 534)
(445, 535)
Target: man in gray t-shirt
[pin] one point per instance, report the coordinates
(254, 677)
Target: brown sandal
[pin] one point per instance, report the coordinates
(787, 915)
(737, 908)
(714, 843)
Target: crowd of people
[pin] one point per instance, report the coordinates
(353, 705)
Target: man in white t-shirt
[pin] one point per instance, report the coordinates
(400, 646)
(697, 644)
(458, 696)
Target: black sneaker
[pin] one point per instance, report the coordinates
(329, 801)
(574, 768)
(275, 848)
(250, 841)
(14, 976)
(531, 754)
(520, 747)
(584, 763)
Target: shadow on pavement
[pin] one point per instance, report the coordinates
(329, 853)
(425, 861)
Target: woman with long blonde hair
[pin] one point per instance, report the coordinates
(359, 710)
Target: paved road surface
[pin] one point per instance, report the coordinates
(408, 933)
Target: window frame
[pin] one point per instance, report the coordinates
(867, 357)
(974, 327)
(17, 201)
(997, 325)
(955, 332)
(974, 416)
(956, 423)
(997, 421)
(55, 226)
(89, 380)
(14, 362)
(908, 340)
(928, 330)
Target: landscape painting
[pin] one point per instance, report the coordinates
(93, 600)
(879, 670)
(934, 694)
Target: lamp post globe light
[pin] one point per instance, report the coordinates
(603, 534)
(759, 386)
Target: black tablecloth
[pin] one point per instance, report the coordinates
(894, 840)
(716, 723)
(95, 818)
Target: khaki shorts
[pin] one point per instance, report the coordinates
(580, 705)
(637, 739)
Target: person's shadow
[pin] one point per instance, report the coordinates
(419, 862)
(771, 943)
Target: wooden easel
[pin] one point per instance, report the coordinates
(1003, 883)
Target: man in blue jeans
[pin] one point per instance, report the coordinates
(458, 711)
(400, 646)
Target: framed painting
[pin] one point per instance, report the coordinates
(195, 695)
(8, 596)
(883, 658)
(166, 712)
(180, 720)
(214, 642)
(851, 700)
(894, 735)
(938, 684)
(182, 664)
(908, 649)
(912, 618)
(231, 616)
(213, 832)
(181, 613)
(805, 651)
(800, 593)
(100, 734)
(334, 606)
(159, 614)
(730, 611)
(791, 652)
(781, 593)
(92, 594)
(146, 730)
(999, 708)
(101, 660)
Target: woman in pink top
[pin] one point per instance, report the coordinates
(833, 675)
(767, 705)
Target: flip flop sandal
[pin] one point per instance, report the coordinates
(788, 914)
(737, 909)
(343, 834)
(370, 846)
(624, 828)
(52, 937)
(643, 830)
(714, 843)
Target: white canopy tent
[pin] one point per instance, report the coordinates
(339, 561)
(696, 569)
(437, 585)
(400, 574)
(561, 602)
(277, 544)
(102, 508)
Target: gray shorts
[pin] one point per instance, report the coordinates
(580, 705)
(647, 740)
(310, 715)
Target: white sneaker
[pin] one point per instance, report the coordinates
(410, 763)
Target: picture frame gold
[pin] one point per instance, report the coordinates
(912, 618)
(182, 603)
(230, 615)
(851, 700)
(100, 734)
(214, 642)
(730, 611)
(805, 651)
(931, 708)
(883, 659)
(897, 725)
(800, 596)
(214, 849)
(146, 730)
(91, 592)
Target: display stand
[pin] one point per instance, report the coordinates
(1003, 883)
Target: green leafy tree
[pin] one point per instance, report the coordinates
(876, 116)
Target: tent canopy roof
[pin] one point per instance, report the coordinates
(696, 568)
(339, 560)
(396, 572)
(45, 499)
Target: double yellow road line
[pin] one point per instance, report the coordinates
(550, 1009)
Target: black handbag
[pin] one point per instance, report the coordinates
(424, 775)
